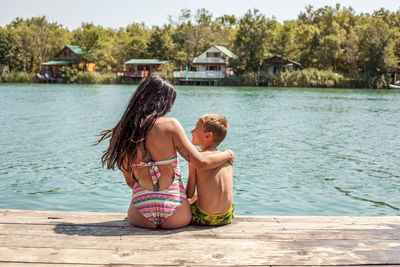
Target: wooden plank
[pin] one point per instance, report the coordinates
(322, 250)
(35, 264)
(221, 252)
(22, 216)
(239, 222)
(55, 217)
(107, 241)
(196, 232)
(137, 265)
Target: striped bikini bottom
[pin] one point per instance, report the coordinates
(157, 206)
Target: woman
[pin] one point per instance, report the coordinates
(144, 146)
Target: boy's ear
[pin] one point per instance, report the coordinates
(209, 135)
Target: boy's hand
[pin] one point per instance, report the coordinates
(232, 159)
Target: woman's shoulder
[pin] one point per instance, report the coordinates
(167, 123)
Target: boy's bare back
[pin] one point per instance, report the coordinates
(214, 188)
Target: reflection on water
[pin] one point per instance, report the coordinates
(298, 151)
(377, 203)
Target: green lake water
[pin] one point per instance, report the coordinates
(298, 151)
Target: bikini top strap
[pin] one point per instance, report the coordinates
(153, 168)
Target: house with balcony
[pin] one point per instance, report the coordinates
(137, 69)
(210, 67)
(70, 55)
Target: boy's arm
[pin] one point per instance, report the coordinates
(191, 183)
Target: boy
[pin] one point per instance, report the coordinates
(214, 187)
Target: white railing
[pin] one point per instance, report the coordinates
(199, 74)
(133, 74)
(208, 60)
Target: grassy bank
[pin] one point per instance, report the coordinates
(308, 78)
(75, 77)
(18, 77)
(301, 78)
(94, 78)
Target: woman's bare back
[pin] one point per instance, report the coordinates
(159, 146)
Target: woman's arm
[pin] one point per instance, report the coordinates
(128, 176)
(192, 181)
(128, 179)
(190, 153)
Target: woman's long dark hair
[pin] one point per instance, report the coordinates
(153, 98)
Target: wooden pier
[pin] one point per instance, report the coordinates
(54, 238)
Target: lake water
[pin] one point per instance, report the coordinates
(298, 151)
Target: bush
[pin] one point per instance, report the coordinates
(84, 77)
(166, 70)
(306, 78)
(69, 74)
(18, 77)
(75, 75)
(109, 78)
(232, 81)
(374, 81)
(245, 79)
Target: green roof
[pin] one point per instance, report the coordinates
(77, 50)
(146, 61)
(60, 62)
(225, 50)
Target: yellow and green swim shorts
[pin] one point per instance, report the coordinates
(201, 217)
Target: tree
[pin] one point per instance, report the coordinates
(160, 44)
(10, 52)
(192, 33)
(284, 42)
(37, 40)
(88, 38)
(223, 31)
(376, 45)
(352, 53)
(309, 43)
(138, 37)
(251, 39)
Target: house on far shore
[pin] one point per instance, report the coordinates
(4, 68)
(210, 67)
(276, 65)
(137, 69)
(396, 75)
(70, 55)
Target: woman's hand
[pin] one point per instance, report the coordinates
(232, 159)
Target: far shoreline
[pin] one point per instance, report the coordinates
(231, 81)
(211, 86)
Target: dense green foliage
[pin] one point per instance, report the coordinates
(362, 48)
(74, 75)
(308, 78)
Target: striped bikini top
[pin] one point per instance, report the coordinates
(154, 171)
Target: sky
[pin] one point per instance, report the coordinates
(120, 13)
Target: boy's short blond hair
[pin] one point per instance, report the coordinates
(216, 124)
